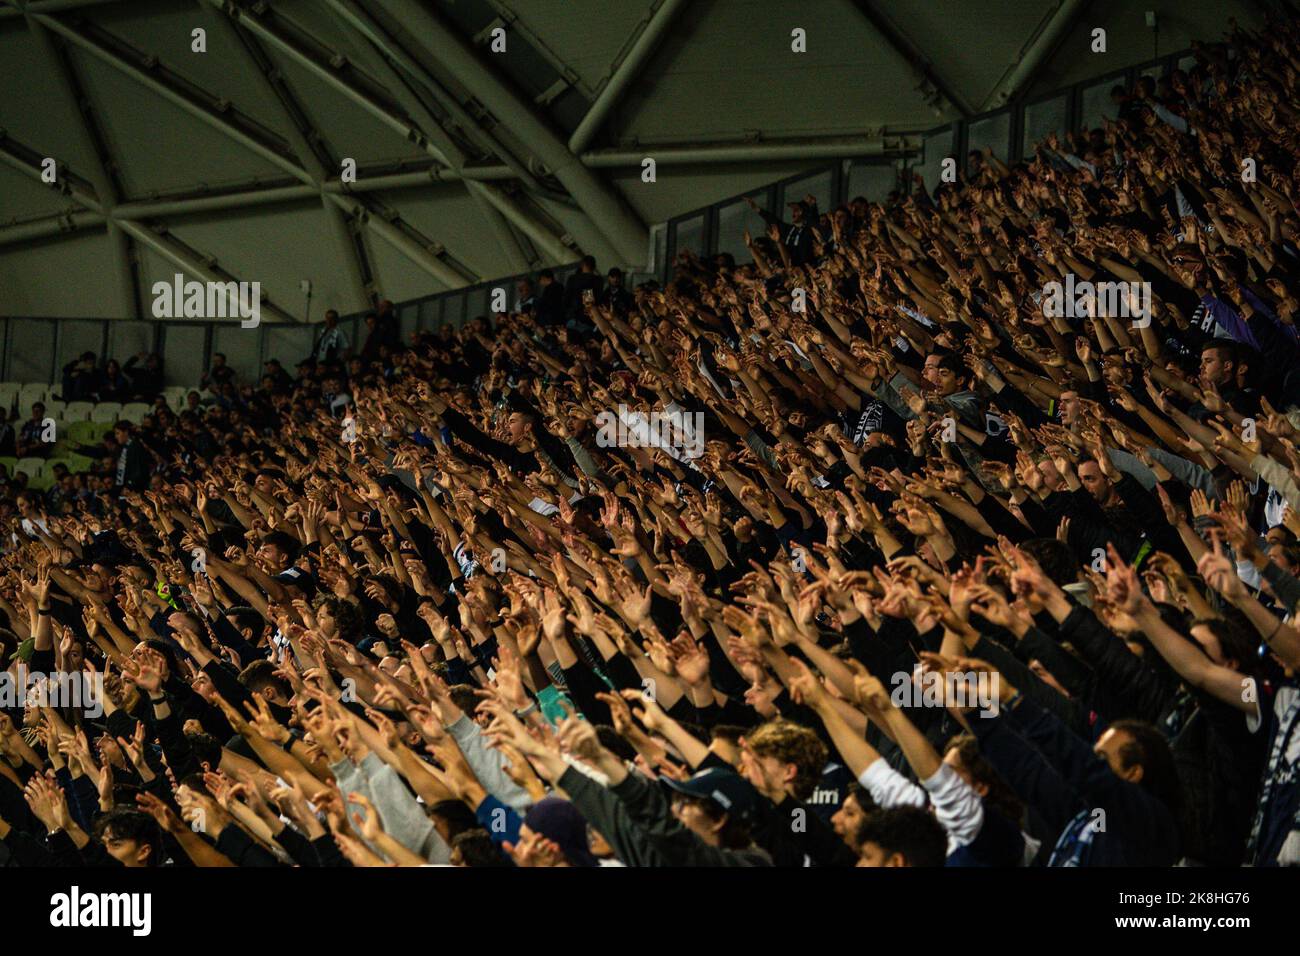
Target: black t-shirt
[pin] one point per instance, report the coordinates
(873, 416)
(1216, 755)
(828, 796)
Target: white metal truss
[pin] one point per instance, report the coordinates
(230, 122)
(434, 141)
(28, 161)
(597, 198)
(378, 47)
(1025, 67)
(875, 14)
(652, 30)
(310, 147)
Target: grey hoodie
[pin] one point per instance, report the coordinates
(402, 816)
(488, 764)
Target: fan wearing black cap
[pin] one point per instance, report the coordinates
(553, 834)
(797, 234)
(615, 296)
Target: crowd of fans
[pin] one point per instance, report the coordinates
(413, 606)
(140, 379)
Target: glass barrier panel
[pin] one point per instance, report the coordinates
(183, 354)
(938, 146)
(991, 132)
(874, 181)
(819, 186)
(690, 235)
(1041, 120)
(733, 220)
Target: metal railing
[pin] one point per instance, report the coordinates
(460, 305)
(35, 349)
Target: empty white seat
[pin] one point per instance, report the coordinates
(106, 412)
(30, 394)
(9, 394)
(42, 482)
(77, 411)
(33, 467)
(134, 412)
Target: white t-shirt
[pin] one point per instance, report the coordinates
(29, 528)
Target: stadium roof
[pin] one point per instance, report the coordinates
(471, 163)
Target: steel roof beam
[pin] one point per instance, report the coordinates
(758, 152)
(608, 210)
(28, 161)
(309, 145)
(49, 6)
(507, 211)
(365, 25)
(1020, 74)
(354, 22)
(628, 69)
(263, 28)
(395, 236)
(228, 121)
(514, 23)
(268, 195)
(875, 14)
(241, 130)
(64, 224)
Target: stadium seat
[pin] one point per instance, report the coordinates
(56, 409)
(175, 396)
(83, 432)
(106, 412)
(9, 394)
(78, 411)
(10, 463)
(33, 467)
(42, 482)
(134, 412)
(29, 395)
(74, 461)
